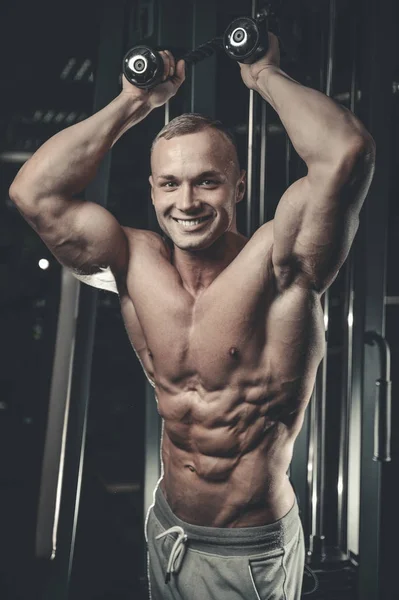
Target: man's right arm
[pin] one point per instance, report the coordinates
(82, 235)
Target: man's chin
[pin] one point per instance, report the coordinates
(193, 242)
(193, 246)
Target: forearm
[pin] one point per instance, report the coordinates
(68, 161)
(321, 130)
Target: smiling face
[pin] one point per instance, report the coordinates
(195, 185)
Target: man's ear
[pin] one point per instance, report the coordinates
(150, 179)
(241, 186)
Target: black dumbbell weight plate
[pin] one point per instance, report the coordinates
(245, 40)
(143, 67)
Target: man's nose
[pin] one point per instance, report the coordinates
(187, 201)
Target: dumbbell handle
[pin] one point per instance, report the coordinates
(203, 51)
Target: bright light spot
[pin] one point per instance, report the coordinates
(326, 322)
(340, 486)
(350, 319)
(310, 467)
(44, 263)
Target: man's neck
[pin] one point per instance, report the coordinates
(200, 268)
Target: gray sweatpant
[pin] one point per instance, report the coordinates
(190, 562)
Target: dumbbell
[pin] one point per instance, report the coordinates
(245, 40)
(144, 67)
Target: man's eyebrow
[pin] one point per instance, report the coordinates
(211, 173)
(169, 177)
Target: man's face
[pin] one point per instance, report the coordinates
(195, 185)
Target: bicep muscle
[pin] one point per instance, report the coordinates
(84, 237)
(314, 226)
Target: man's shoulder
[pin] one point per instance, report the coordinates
(142, 236)
(265, 231)
(261, 241)
(146, 239)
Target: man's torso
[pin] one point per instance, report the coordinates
(233, 371)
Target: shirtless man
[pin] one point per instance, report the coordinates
(229, 330)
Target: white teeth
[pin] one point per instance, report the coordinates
(188, 224)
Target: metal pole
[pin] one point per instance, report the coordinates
(342, 486)
(203, 80)
(317, 496)
(331, 46)
(250, 167)
(377, 73)
(316, 465)
(57, 421)
(252, 143)
(343, 467)
(263, 166)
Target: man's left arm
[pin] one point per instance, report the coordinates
(318, 216)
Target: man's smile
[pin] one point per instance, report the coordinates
(192, 223)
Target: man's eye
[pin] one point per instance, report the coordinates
(168, 184)
(208, 182)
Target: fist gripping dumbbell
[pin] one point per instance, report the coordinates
(245, 40)
(143, 67)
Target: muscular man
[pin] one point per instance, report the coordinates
(229, 330)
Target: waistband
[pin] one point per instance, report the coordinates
(231, 540)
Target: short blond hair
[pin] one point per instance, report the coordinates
(193, 123)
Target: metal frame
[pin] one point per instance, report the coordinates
(377, 76)
(347, 383)
(317, 462)
(74, 426)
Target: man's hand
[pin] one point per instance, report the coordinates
(173, 77)
(250, 73)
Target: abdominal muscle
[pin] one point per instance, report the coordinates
(227, 476)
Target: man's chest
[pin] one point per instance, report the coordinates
(237, 330)
(205, 341)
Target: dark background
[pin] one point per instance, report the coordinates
(48, 72)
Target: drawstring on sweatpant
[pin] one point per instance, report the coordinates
(178, 550)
